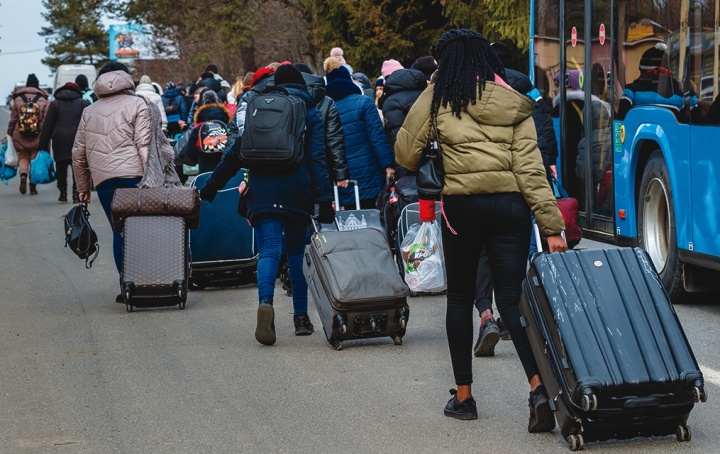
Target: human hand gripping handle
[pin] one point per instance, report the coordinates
(427, 210)
(326, 212)
(208, 193)
(556, 243)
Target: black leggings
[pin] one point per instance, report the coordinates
(501, 222)
(61, 171)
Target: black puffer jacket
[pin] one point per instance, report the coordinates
(401, 90)
(62, 121)
(207, 112)
(541, 116)
(334, 137)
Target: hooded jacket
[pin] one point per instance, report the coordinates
(401, 90)
(207, 112)
(491, 149)
(62, 121)
(148, 92)
(288, 193)
(25, 143)
(114, 133)
(334, 139)
(176, 108)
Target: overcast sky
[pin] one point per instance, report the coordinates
(21, 48)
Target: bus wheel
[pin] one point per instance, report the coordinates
(656, 225)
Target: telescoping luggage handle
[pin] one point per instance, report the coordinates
(538, 237)
(357, 195)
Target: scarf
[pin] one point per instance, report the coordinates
(160, 168)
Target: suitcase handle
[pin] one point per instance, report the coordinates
(337, 195)
(538, 237)
(318, 226)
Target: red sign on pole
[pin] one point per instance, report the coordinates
(573, 37)
(602, 34)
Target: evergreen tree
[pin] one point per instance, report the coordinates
(75, 34)
(496, 19)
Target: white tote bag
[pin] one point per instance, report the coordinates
(11, 157)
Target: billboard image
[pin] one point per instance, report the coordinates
(129, 41)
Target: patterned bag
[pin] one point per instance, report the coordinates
(29, 117)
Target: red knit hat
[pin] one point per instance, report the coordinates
(260, 74)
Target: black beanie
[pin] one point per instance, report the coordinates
(113, 66)
(503, 52)
(425, 64)
(211, 68)
(653, 57)
(303, 68)
(82, 81)
(32, 81)
(288, 74)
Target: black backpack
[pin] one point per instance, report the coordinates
(395, 196)
(213, 136)
(79, 235)
(274, 135)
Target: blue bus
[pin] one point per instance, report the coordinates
(644, 165)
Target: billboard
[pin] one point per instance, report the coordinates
(129, 41)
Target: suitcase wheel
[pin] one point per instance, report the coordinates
(128, 307)
(337, 344)
(576, 442)
(397, 340)
(700, 394)
(403, 322)
(589, 402)
(683, 433)
(182, 305)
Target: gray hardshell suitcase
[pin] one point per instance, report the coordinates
(610, 349)
(355, 285)
(155, 262)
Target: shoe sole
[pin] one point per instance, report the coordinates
(505, 336)
(487, 344)
(304, 332)
(461, 416)
(264, 333)
(544, 418)
(23, 184)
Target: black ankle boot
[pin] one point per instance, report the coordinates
(33, 189)
(466, 410)
(541, 416)
(63, 197)
(76, 197)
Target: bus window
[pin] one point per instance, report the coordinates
(702, 78)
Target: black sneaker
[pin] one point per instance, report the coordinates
(541, 416)
(76, 197)
(23, 183)
(33, 189)
(488, 338)
(265, 330)
(63, 197)
(504, 332)
(303, 327)
(466, 410)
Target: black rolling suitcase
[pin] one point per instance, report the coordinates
(355, 285)
(611, 351)
(155, 262)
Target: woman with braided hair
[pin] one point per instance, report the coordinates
(494, 177)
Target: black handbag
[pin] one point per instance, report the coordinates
(431, 173)
(79, 235)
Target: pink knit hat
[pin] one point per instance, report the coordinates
(389, 67)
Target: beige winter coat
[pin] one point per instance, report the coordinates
(491, 149)
(114, 133)
(148, 92)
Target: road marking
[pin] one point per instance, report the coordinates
(711, 375)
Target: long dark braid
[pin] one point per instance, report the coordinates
(465, 62)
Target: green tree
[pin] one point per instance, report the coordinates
(75, 34)
(371, 31)
(496, 19)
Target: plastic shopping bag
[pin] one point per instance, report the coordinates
(11, 157)
(6, 172)
(423, 259)
(42, 168)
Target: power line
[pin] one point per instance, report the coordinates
(22, 52)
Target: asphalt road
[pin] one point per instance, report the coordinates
(81, 375)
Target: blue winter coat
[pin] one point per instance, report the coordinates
(284, 193)
(172, 97)
(366, 145)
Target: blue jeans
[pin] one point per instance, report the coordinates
(105, 192)
(269, 233)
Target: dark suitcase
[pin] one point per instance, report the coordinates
(353, 280)
(223, 249)
(611, 351)
(155, 262)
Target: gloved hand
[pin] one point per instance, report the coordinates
(326, 213)
(427, 210)
(208, 193)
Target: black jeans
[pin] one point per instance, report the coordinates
(61, 172)
(484, 289)
(501, 222)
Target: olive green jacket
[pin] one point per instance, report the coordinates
(491, 149)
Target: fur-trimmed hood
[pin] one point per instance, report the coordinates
(212, 111)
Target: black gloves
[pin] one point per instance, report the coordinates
(326, 214)
(208, 192)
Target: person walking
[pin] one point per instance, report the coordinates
(60, 125)
(112, 143)
(279, 206)
(370, 159)
(493, 179)
(146, 88)
(176, 109)
(27, 114)
(87, 93)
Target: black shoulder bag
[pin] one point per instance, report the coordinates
(79, 235)
(431, 173)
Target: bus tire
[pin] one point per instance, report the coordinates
(656, 225)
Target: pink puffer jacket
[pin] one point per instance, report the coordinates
(113, 138)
